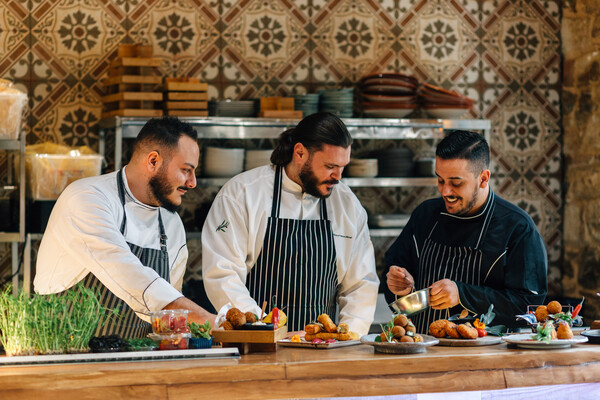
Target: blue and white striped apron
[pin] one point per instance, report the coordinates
(457, 263)
(128, 324)
(296, 266)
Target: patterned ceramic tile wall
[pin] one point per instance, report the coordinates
(505, 54)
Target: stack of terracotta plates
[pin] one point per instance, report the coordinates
(388, 95)
(233, 108)
(443, 104)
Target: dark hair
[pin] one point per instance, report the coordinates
(313, 132)
(465, 145)
(164, 133)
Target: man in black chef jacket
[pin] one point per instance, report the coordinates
(471, 247)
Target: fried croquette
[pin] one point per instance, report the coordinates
(327, 323)
(384, 337)
(467, 331)
(337, 336)
(312, 329)
(236, 317)
(226, 325)
(401, 320)
(410, 327)
(451, 330)
(564, 331)
(398, 331)
(541, 313)
(554, 307)
(418, 338)
(407, 339)
(343, 328)
(438, 328)
(250, 317)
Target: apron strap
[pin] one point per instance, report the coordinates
(276, 193)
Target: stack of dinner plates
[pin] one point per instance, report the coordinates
(388, 95)
(443, 104)
(221, 162)
(337, 101)
(233, 108)
(395, 162)
(257, 158)
(308, 103)
(362, 167)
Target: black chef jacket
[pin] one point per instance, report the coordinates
(513, 270)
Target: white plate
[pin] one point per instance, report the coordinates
(310, 345)
(482, 341)
(388, 112)
(525, 340)
(399, 348)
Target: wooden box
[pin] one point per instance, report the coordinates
(186, 97)
(250, 341)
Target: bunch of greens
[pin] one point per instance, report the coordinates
(200, 331)
(139, 344)
(48, 324)
(544, 332)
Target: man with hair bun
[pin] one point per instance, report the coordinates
(119, 233)
(469, 246)
(292, 234)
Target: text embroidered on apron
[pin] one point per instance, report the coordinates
(297, 264)
(127, 324)
(438, 261)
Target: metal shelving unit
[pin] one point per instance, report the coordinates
(18, 236)
(268, 128)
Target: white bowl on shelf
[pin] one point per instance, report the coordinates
(222, 162)
(257, 158)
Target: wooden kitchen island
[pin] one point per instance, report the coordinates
(297, 373)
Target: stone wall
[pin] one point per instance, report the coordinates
(581, 118)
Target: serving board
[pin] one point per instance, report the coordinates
(127, 356)
(482, 341)
(310, 345)
(249, 341)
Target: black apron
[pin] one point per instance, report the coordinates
(296, 266)
(457, 263)
(127, 324)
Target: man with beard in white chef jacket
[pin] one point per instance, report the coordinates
(469, 246)
(292, 234)
(120, 232)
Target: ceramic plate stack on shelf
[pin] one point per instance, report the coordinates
(308, 103)
(388, 95)
(443, 104)
(233, 108)
(362, 167)
(257, 158)
(337, 101)
(395, 162)
(223, 163)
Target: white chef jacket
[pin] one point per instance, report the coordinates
(83, 235)
(234, 231)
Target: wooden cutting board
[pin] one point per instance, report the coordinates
(250, 341)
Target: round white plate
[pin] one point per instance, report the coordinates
(399, 348)
(526, 341)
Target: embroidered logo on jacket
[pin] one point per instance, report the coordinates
(224, 225)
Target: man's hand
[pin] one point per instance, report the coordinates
(197, 314)
(443, 294)
(399, 281)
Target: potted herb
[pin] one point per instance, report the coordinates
(201, 338)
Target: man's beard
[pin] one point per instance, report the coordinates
(467, 209)
(310, 182)
(161, 188)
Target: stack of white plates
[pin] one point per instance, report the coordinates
(364, 168)
(233, 108)
(219, 162)
(257, 158)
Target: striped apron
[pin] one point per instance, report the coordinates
(296, 269)
(457, 263)
(127, 324)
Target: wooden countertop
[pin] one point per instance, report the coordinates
(295, 372)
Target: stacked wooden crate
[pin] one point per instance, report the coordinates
(133, 84)
(186, 97)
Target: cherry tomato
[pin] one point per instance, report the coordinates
(481, 332)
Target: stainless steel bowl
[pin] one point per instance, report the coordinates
(412, 303)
